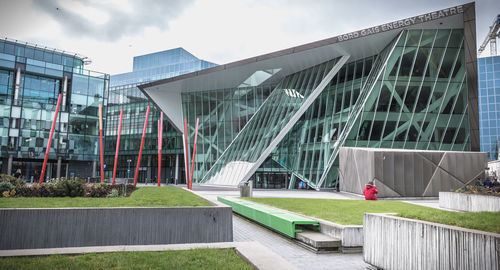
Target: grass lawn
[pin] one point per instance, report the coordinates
(350, 212)
(171, 259)
(142, 197)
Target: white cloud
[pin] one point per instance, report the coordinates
(112, 32)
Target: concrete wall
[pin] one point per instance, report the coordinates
(469, 202)
(350, 235)
(399, 243)
(77, 227)
(408, 173)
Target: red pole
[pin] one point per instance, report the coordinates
(194, 153)
(160, 145)
(140, 149)
(52, 128)
(186, 159)
(117, 145)
(100, 139)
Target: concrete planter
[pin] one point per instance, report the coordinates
(399, 243)
(469, 202)
(77, 227)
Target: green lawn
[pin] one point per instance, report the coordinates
(172, 259)
(142, 197)
(350, 212)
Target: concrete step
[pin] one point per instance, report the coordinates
(318, 241)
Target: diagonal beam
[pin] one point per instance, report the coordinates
(307, 103)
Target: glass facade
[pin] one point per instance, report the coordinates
(412, 95)
(31, 78)
(489, 105)
(124, 94)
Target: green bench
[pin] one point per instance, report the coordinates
(280, 221)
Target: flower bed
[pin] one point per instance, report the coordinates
(62, 187)
(480, 190)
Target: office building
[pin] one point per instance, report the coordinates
(124, 94)
(489, 105)
(31, 78)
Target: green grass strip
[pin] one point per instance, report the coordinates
(142, 197)
(172, 259)
(350, 212)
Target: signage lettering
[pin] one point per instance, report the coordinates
(402, 23)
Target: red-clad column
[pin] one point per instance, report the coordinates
(101, 146)
(194, 153)
(47, 151)
(186, 158)
(160, 142)
(117, 145)
(140, 149)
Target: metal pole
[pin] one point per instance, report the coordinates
(194, 153)
(52, 128)
(100, 140)
(186, 159)
(140, 149)
(117, 146)
(160, 142)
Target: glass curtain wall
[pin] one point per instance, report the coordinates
(223, 113)
(417, 100)
(489, 105)
(134, 105)
(26, 121)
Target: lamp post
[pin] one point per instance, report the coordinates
(128, 171)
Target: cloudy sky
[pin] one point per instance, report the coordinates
(111, 32)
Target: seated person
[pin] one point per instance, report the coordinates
(370, 191)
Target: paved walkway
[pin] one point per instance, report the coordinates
(247, 231)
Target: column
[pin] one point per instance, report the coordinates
(18, 84)
(65, 89)
(9, 165)
(94, 167)
(58, 172)
(176, 169)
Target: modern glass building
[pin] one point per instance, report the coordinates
(282, 117)
(124, 94)
(489, 105)
(31, 78)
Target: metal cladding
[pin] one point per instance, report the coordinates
(408, 173)
(401, 85)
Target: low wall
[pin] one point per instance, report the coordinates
(469, 202)
(78, 227)
(350, 235)
(400, 243)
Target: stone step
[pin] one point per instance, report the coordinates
(319, 241)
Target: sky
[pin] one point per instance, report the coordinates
(112, 32)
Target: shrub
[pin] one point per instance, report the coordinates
(6, 186)
(11, 179)
(5, 194)
(68, 187)
(113, 194)
(98, 190)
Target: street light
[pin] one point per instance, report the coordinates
(128, 171)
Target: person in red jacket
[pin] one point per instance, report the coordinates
(370, 191)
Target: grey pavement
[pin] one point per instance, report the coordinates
(248, 231)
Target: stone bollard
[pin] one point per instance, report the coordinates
(246, 189)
